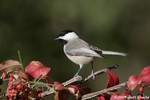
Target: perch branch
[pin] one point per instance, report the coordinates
(100, 72)
(94, 94)
(79, 79)
(72, 80)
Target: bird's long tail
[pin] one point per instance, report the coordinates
(113, 53)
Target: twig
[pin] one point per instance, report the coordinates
(20, 60)
(100, 72)
(48, 92)
(145, 84)
(94, 94)
(72, 80)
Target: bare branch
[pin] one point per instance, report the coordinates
(100, 72)
(94, 94)
(51, 90)
(79, 79)
(48, 92)
(72, 80)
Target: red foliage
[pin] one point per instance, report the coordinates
(62, 95)
(117, 97)
(100, 97)
(112, 79)
(73, 89)
(9, 65)
(126, 92)
(37, 70)
(21, 87)
(58, 86)
(145, 75)
(133, 82)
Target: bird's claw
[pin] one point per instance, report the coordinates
(93, 76)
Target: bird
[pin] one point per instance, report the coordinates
(79, 51)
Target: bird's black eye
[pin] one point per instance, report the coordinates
(63, 41)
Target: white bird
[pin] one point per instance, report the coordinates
(79, 51)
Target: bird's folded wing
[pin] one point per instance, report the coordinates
(83, 52)
(96, 49)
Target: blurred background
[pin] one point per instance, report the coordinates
(121, 25)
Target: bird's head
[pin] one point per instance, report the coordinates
(66, 36)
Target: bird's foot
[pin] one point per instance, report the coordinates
(93, 76)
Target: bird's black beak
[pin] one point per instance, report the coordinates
(61, 40)
(57, 39)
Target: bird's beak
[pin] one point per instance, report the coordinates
(56, 39)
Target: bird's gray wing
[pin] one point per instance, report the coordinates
(96, 49)
(83, 52)
(78, 47)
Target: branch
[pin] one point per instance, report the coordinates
(94, 94)
(100, 72)
(48, 92)
(79, 79)
(51, 90)
(72, 80)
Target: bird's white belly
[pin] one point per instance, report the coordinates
(80, 59)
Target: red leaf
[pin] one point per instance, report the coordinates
(36, 69)
(126, 92)
(145, 74)
(58, 86)
(84, 90)
(100, 97)
(62, 95)
(117, 97)
(9, 65)
(73, 88)
(112, 79)
(133, 81)
(23, 75)
(48, 80)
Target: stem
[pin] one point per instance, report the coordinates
(94, 94)
(48, 92)
(40, 83)
(20, 60)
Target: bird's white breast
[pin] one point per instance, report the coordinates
(80, 59)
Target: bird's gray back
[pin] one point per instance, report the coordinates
(78, 47)
(76, 44)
